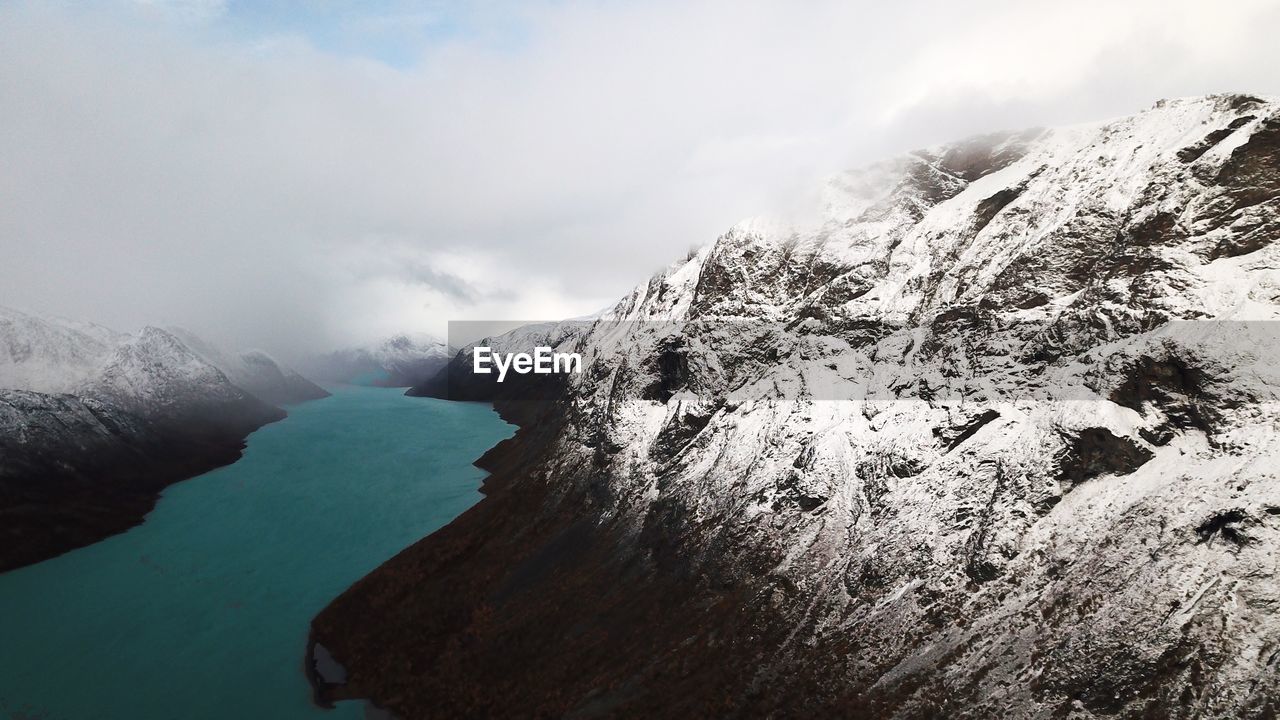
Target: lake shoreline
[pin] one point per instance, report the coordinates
(201, 611)
(77, 519)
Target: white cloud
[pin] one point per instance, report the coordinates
(275, 195)
(198, 11)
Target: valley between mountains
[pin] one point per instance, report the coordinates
(995, 436)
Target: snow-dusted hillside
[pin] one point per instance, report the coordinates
(48, 354)
(402, 360)
(155, 375)
(54, 355)
(996, 436)
(254, 371)
(93, 424)
(74, 469)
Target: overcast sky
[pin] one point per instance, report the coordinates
(299, 175)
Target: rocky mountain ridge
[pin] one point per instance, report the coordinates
(995, 436)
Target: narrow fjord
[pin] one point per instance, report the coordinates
(203, 610)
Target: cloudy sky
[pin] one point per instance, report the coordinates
(295, 175)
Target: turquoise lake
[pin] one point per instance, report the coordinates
(203, 610)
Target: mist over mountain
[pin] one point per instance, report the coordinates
(270, 177)
(95, 423)
(402, 360)
(254, 371)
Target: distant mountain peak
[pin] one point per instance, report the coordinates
(401, 360)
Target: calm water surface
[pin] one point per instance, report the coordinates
(202, 611)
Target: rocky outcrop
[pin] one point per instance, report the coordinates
(994, 437)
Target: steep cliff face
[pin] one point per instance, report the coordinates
(995, 436)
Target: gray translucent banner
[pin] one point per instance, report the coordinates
(959, 359)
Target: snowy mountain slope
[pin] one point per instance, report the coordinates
(96, 423)
(403, 360)
(264, 377)
(155, 375)
(48, 354)
(995, 436)
(254, 371)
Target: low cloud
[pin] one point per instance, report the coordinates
(537, 161)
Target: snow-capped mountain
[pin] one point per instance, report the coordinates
(402, 360)
(995, 436)
(49, 354)
(154, 375)
(255, 371)
(94, 424)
